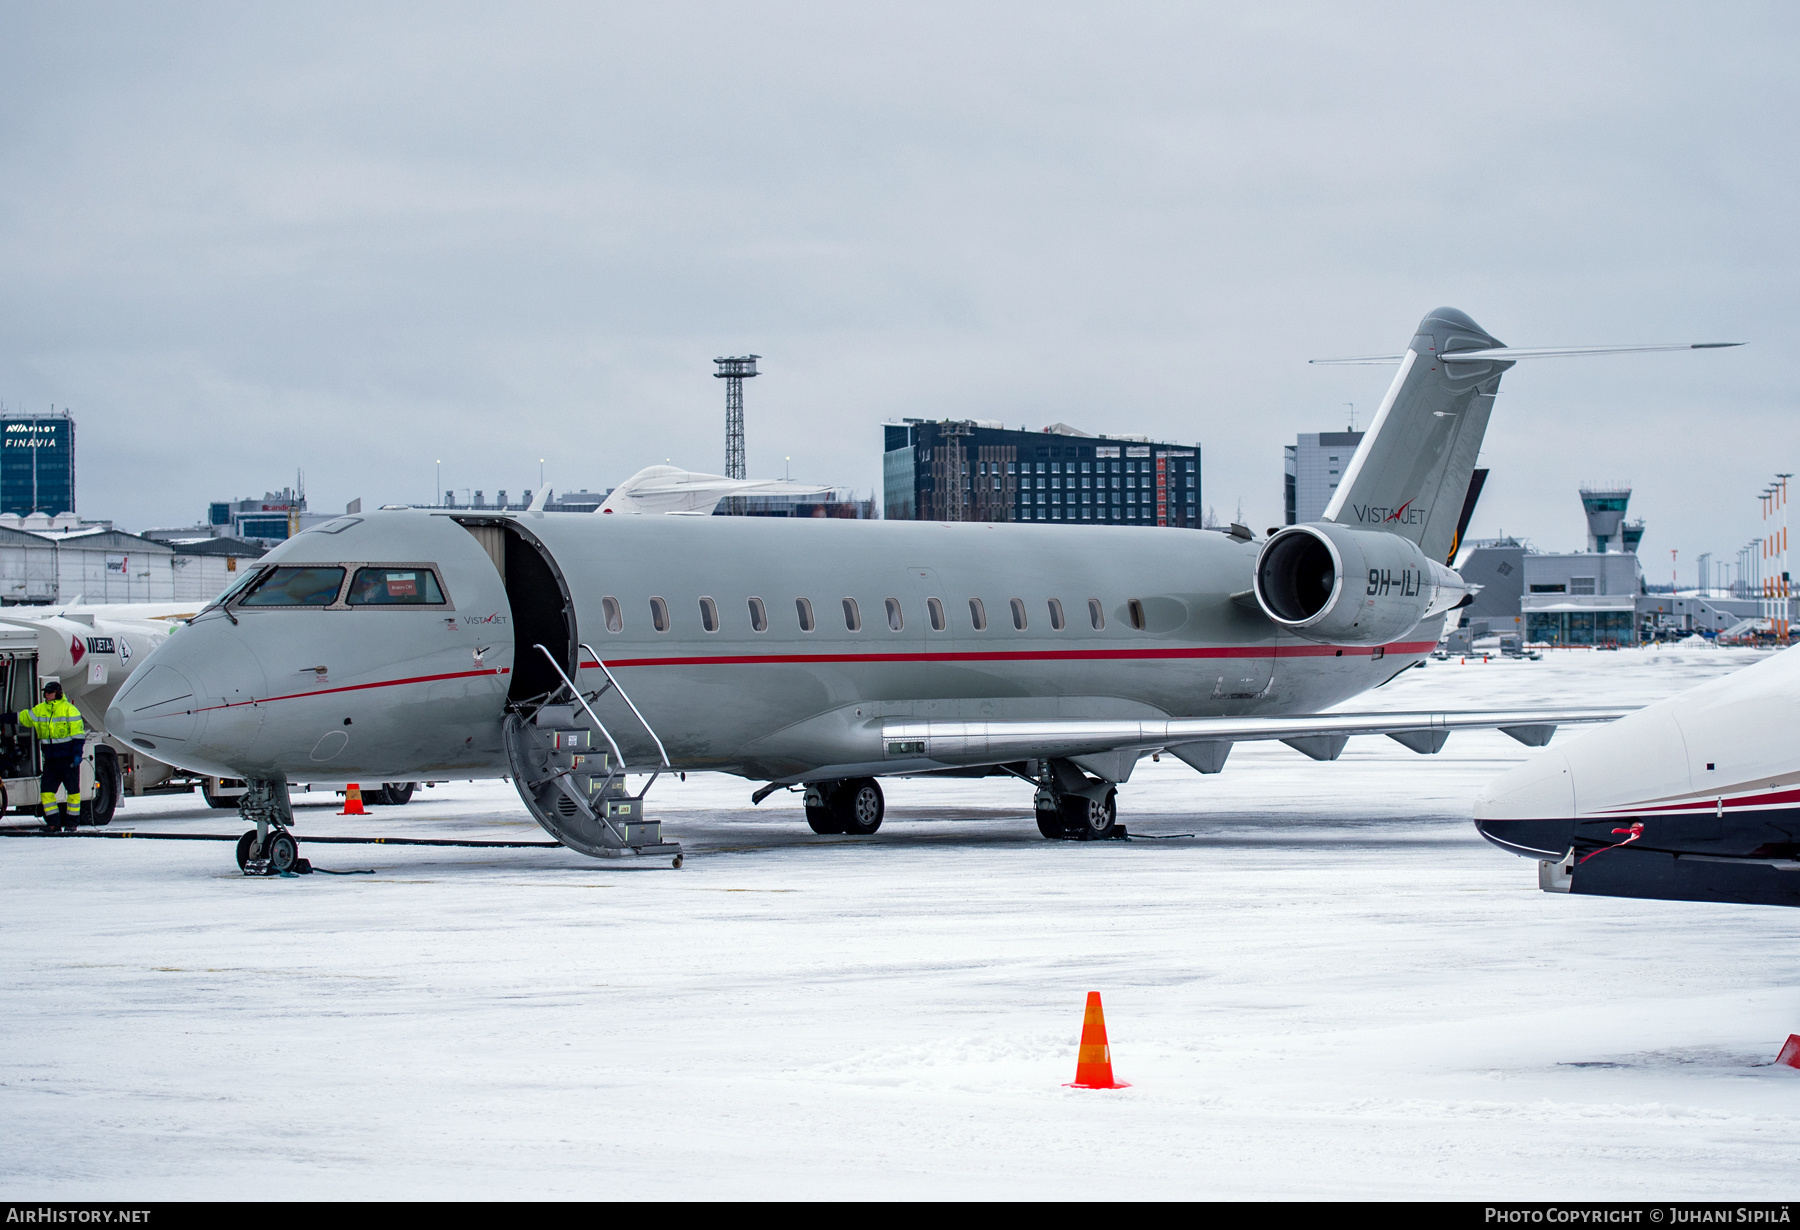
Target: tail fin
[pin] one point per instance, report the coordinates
(1411, 473)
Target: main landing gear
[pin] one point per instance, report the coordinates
(1076, 817)
(1071, 806)
(854, 806)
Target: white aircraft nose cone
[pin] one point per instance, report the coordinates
(1530, 809)
(156, 707)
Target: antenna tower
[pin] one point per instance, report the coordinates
(734, 372)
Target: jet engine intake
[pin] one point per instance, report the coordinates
(1341, 586)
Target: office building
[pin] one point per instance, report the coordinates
(974, 470)
(1315, 463)
(37, 463)
(267, 520)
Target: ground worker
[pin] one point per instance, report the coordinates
(61, 736)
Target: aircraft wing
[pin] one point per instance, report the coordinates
(1320, 735)
(1108, 748)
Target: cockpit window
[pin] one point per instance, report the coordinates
(296, 587)
(231, 591)
(395, 587)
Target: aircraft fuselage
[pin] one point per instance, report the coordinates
(407, 691)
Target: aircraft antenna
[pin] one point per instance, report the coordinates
(734, 371)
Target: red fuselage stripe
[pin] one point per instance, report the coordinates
(1056, 655)
(1061, 655)
(359, 687)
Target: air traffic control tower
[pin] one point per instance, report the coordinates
(1605, 508)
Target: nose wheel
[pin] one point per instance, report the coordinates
(279, 855)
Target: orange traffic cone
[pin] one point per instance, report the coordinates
(1093, 1063)
(353, 801)
(1790, 1053)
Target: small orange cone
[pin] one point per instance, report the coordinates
(353, 801)
(1790, 1053)
(1093, 1063)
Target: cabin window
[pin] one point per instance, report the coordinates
(1096, 614)
(709, 615)
(935, 609)
(896, 621)
(1135, 611)
(1018, 613)
(852, 616)
(977, 615)
(759, 616)
(1056, 614)
(659, 614)
(803, 607)
(615, 618)
(297, 587)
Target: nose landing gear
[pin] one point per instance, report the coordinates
(269, 849)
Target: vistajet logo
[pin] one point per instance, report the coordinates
(1380, 514)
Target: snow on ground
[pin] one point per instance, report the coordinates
(1333, 988)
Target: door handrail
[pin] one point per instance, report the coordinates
(624, 696)
(618, 756)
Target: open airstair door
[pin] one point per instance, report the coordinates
(565, 764)
(543, 613)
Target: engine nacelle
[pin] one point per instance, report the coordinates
(1341, 586)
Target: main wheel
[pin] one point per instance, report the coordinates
(822, 820)
(393, 794)
(243, 849)
(859, 806)
(1090, 819)
(1050, 824)
(214, 800)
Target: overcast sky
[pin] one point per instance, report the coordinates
(241, 240)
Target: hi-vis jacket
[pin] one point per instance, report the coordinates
(57, 724)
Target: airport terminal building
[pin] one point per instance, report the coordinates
(976, 470)
(1592, 597)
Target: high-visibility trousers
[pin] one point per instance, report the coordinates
(63, 771)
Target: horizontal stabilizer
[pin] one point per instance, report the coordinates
(1507, 354)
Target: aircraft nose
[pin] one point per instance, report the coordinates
(156, 707)
(1530, 809)
(184, 705)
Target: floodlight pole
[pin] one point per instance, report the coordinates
(734, 371)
